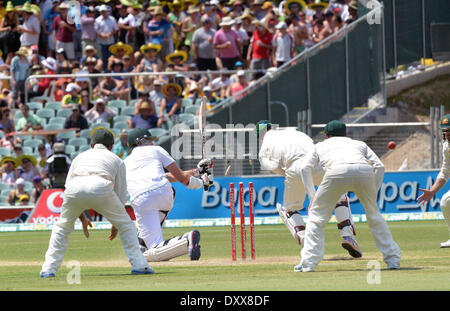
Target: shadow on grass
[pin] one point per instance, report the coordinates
(129, 274)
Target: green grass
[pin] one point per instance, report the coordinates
(104, 265)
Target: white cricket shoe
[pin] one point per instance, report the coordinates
(445, 244)
(300, 268)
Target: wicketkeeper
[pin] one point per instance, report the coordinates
(152, 196)
(283, 152)
(96, 180)
(442, 177)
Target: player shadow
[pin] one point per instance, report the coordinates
(339, 258)
(133, 275)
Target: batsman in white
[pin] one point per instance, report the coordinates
(96, 180)
(442, 177)
(349, 165)
(283, 151)
(152, 196)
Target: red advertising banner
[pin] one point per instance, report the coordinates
(48, 208)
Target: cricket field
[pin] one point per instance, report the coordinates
(97, 264)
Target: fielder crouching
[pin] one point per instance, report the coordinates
(283, 152)
(152, 196)
(96, 180)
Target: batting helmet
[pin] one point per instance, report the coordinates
(135, 135)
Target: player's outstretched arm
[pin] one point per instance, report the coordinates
(427, 195)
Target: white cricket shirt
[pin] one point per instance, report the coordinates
(145, 169)
(445, 169)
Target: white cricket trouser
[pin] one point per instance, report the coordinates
(148, 218)
(360, 179)
(294, 191)
(110, 207)
(445, 208)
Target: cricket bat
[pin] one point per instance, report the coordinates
(201, 127)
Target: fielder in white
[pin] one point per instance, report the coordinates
(152, 196)
(283, 152)
(96, 180)
(349, 165)
(442, 177)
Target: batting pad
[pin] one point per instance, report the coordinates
(166, 250)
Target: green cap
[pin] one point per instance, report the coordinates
(263, 125)
(137, 134)
(445, 122)
(336, 128)
(101, 135)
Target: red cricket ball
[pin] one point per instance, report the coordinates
(391, 145)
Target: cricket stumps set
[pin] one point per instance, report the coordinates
(243, 231)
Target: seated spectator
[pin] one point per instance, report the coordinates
(121, 148)
(111, 89)
(177, 61)
(76, 120)
(6, 123)
(57, 166)
(14, 195)
(38, 188)
(50, 69)
(238, 66)
(171, 103)
(91, 53)
(146, 118)
(118, 51)
(143, 97)
(9, 141)
(150, 62)
(42, 157)
(86, 103)
(8, 169)
(156, 95)
(220, 84)
(27, 167)
(100, 113)
(29, 121)
(193, 92)
(211, 100)
(24, 200)
(236, 88)
(18, 151)
(72, 97)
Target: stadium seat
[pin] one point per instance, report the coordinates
(53, 105)
(64, 113)
(121, 125)
(120, 118)
(5, 187)
(78, 142)
(3, 198)
(118, 103)
(54, 126)
(84, 148)
(185, 117)
(33, 143)
(134, 101)
(191, 109)
(198, 101)
(45, 113)
(127, 111)
(158, 132)
(86, 133)
(73, 155)
(4, 151)
(66, 136)
(35, 106)
(18, 115)
(70, 148)
(57, 120)
(186, 102)
(103, 124)
(27, 150)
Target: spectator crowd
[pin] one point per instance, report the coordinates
(191, 44)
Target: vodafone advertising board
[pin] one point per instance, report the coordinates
(48, 208)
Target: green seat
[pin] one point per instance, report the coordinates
(121, 125)
(35, 105)
(69, 148)
(158, 132)
(53, 105)
(33, 143)
(86, 133)
(103, 124)
(127, 111)
(186, 117)
(45, 113)
(18, 115)
(187, 102)
(4, 151)
(57, 120)
(5, 187)
(120, 118)
(134, 101)
(118, 103)
(84, 148)
(67, 136)
(54, 126)
(3, 198)
(64, 112)
(74, 154)
(78, 142)
(198, 101)
(27, 150)
(191, 109)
